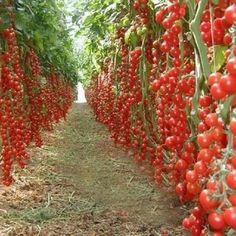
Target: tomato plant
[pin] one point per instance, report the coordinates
(36, 82)
(164, 84)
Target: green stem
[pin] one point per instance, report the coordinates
(181, 45)
(191, 6)
(144, 84)
(201, 47)
(196, 96)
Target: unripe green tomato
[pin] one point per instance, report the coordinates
(144, 30)
(125, 21)
(139, 31)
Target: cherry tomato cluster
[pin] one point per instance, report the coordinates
(169, 94)
(29, 102)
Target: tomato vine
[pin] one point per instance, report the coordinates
(169, 96)
(37, 70)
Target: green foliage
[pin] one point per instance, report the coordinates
(219, 57)
(97, 21)
(42, 24)
(5, 20)
(226, 105)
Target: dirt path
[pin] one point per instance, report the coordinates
(80, 184)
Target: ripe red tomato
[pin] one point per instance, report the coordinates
(212, 184)
(186, 223)
(232, 199)
(231, 66)
(191, 176)
(202, 127)
(214, 78)
(228, 83)
(181, 165)
(231, 179)
(233, 125)
(217, 91)
(216, 221)
(190, 147)
(159, 16)
(211, 119)
(233, 161)
(205, 101)
(227, 40)
(230, 217)
(180, 189)
(230, 14)
(200, 168)
(197, 212)
(193, 188)
(195, 231)
(206, 200)
(155, 85)
(205, 155)
(204, 140)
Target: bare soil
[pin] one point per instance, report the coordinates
(80, 184)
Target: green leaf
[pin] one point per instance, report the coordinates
(219, 58)
(231, 232)
(38, 40)
(127, 36)
(42, 25)
(216, 2)
(21, 21)
(226, 108)
(134, 39)
(95, 63)
(5, 21)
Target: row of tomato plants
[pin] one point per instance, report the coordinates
(168, 93)
(31, 100)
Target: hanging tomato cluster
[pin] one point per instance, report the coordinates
(169, 94)
(29, 101)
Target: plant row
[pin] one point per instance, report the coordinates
(168, 93)
(31, 99)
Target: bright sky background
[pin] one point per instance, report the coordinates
(79, 41)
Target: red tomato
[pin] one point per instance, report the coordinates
(193, 188)
(206, 200)
(180, 189)
(186, 223)
(200, 168)
(191, 176)
(212, 184)
(216, 221)
(233, 125)
(211, 119)
(228, 83)
(231, 179)
(217, 91)
(233, 161)
(181, 165)
(230, 217)
(230, 14)
(204, 140)
(232, 199)
(214, 78)
(227, 41)
(231, 66)
(197, 212)
(205, 155)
